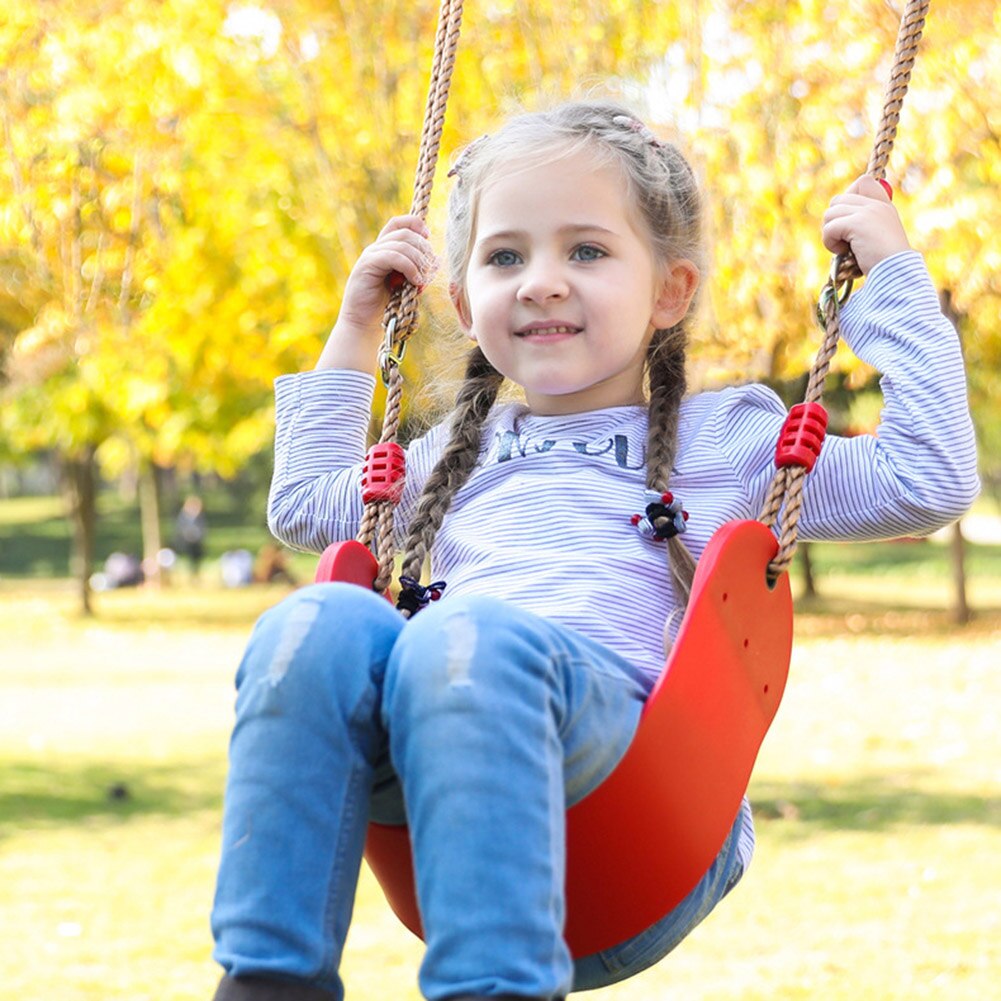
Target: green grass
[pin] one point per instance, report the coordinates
(877, 794)
(35, 541)
(35, 536)
(919, 559)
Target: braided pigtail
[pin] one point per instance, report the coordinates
(666, 368)
(476, 397)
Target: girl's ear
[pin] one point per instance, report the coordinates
(458, 297)
(679, 282)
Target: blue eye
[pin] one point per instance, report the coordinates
(504, 258)
(588, 252)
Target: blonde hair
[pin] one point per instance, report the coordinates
(662, 187)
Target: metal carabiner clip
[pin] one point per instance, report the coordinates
(390, 353)
(830, 293)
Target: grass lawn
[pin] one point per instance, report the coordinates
(878, 798)
(35, 535)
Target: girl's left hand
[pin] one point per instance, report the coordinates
(864, 220)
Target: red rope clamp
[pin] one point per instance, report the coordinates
(802, 436)
(384, 473)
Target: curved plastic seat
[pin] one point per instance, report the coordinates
(642, 840)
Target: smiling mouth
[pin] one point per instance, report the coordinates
(548, 330)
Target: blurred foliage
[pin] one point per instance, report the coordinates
(184, 186)
(782, 102)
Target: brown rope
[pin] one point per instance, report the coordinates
(400, 318)
(785, 493)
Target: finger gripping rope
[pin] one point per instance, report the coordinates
(802, 436)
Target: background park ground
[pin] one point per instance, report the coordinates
(877, 792)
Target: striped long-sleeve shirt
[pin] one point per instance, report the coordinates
(545, 518)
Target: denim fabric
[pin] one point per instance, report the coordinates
(487, 722)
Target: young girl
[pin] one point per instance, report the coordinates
(574, 254)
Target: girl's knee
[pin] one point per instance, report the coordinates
(332, 607)
(453, 629)
(468, 612)
(462, 643)
(320, 628)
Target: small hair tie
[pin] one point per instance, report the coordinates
(414, 595)
(664, 517)
(635, 125)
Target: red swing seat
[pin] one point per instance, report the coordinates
(640, 842)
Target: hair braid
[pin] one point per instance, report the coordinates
(666, 366)
(473, 403)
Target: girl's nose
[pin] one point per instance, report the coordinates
(543, 281)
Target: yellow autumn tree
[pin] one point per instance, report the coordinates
(75, 252)
(782, 100)
(185, 187)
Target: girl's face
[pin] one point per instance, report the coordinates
(562, 290)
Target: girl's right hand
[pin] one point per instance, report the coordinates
(402, 247)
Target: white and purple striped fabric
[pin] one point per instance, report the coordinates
(544, 520)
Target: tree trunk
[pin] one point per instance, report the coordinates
(149, 515)
(80, 490)
(961, 613)
(806, 566)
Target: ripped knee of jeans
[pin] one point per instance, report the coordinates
(294, 630)
(460, 647)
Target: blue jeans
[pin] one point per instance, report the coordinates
(487, 722)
